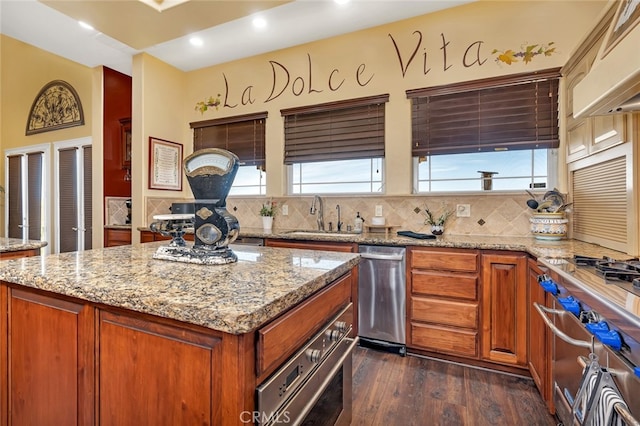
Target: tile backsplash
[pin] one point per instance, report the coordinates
(490, 214)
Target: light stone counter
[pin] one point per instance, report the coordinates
(234, 298)
(18, 244)
(537, 248)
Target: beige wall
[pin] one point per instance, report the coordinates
(441, 48)
(25, 70)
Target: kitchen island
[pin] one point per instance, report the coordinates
(113, 336)
(12, 248)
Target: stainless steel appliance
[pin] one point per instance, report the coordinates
(382, 297)
(314, 387)
(593, 333)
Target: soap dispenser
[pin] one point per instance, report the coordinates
(357, 227)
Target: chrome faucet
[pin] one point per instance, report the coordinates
(339, 224)
(320, 210)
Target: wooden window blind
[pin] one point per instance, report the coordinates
(68, 201)
(600, 204)
(344, 130)
(243, 135)
(508, 113)
(88, 193)
(14, 189)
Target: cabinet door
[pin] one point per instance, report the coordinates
(539, 342)
(117, 237)
(504, 308)
(50, 353)
(608, 130)
(578, 129)
(156, 374)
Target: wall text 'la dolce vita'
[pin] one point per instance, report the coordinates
(284, 80)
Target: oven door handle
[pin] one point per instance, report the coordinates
(349, 352)
(542, 310)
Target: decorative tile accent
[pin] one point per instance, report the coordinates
(491, 215)
(116, 210)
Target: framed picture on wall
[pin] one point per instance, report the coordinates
(626, 18)
(165, 164)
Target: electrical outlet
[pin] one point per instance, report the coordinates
(285, 210)
(463, 210)
(378, 210)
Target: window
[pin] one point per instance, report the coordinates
(492, 134)
(336, 147)
(244, 136)
(27, 193)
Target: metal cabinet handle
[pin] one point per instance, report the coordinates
(74, 229)
(582, 343)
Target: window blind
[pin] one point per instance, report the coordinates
(344, 130)
(14, 189)
(68, 201)
(507, 113)
(34, 197)
(88, 193)
(243, 135)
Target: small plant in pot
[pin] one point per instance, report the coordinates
(436, 222)
(268, 211)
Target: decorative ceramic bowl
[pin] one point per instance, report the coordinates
(549, 226)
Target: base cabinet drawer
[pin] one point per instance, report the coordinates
(444, 339)
(445, 312)
(444, 285)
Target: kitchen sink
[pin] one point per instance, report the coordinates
(322, 234)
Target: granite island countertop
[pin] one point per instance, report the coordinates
(18, 244)
(234, 298)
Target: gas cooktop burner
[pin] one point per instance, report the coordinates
(624, 270)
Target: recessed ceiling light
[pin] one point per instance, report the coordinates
(196, 41)
(85, 25)
(342, 1)
(259, 22)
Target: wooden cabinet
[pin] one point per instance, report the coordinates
(442, 304)
(540, 339)
(117, 237)
(313, 245)
(182, 363)
(587, 135)
(504, 308)
(19, 253)
(148, 237)
(70, 362)
(47, 345)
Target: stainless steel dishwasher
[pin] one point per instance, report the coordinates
(382, 298)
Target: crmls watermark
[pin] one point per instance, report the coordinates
(262, 417)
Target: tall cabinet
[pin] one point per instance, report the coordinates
(587, 135)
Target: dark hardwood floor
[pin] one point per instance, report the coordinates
(392, 390)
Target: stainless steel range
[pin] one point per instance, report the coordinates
(595, 318)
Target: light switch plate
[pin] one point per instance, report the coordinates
(463, 210)
(378, 211)
(285, 210)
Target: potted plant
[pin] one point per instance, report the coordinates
(437, 224)
(268, 211)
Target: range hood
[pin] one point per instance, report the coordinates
(612, 85)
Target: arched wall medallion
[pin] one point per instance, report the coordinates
(57, 106)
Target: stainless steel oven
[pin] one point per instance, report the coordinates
(314, 386)
(587, 347)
